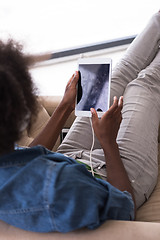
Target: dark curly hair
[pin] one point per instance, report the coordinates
(18, 100)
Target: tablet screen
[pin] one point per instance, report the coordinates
(93, 87)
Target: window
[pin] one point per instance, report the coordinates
(52, 25)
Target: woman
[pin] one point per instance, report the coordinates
(40, 190)
(45, 191)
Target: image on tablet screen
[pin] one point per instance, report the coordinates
(93, 87)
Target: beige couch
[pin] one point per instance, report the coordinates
(146, 226)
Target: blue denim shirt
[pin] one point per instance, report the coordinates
(44, 191)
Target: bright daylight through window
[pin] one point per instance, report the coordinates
(49, 26)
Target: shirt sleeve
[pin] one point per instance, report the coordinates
(84, 201)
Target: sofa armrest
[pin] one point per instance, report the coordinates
(50, 103)
(112, 230)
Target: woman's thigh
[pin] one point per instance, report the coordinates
(79, 137)
(138, 134)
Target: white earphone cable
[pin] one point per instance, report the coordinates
(92, 171)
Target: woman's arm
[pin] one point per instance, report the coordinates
(106, 130)
(48, 136)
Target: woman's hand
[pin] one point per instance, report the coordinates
(106, 128)
(70, 92)
(50, 133)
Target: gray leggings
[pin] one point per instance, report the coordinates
(137, 78)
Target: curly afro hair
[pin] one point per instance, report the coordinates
(18, 101)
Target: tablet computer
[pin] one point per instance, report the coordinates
(93, 88)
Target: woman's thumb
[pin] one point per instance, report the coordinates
(94, 116)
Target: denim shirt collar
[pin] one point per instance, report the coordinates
(21, 156)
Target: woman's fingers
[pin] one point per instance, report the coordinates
(115, 108)
(73, 80)
(95, 119)
(120, 102)
(120, 106)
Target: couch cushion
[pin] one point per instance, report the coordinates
(37, 125)
(50, 103)
(40, 122)
(112, 230)
(25, 140)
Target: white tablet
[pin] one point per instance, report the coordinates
(93, 88)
